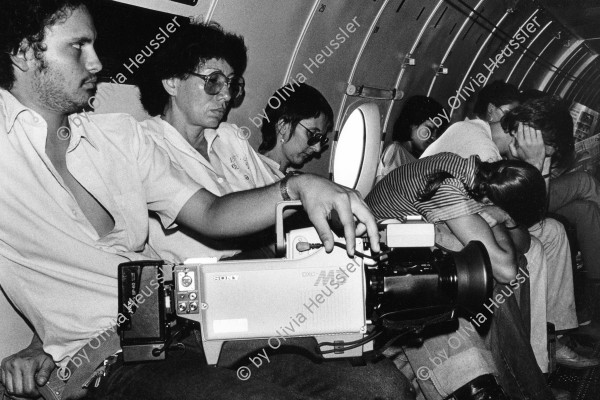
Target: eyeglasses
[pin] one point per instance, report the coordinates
(314, 137)
(215, 81)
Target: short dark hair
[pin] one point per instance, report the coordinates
(497, 93)
(301, 101)
(26, 20)
(416, 110)
(193, 44)
(549, 114)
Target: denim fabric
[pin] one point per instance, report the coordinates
(286, 376)
(560, 298)
(446, 362)
(576, 196)
(538, 287)
(518, 372)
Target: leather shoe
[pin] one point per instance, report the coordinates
(483, 387)
(567, 357)
(592, 330)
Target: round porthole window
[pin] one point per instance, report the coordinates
(356, 153)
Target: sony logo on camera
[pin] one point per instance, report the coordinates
(226, 278)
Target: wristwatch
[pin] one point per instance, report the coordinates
(283, 185)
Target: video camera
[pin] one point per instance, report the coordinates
(339, 301)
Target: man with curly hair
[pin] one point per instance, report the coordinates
(75, 201)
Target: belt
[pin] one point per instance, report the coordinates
(71, 381)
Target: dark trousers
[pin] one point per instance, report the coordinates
(508, 339)
(185, 375)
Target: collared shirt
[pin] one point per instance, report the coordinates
(54, 266)
(233, 166)
(465, 138)
(397, 194)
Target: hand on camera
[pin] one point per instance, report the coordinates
(25, 371)
(320, 197)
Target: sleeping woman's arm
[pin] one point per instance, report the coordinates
(496, 240)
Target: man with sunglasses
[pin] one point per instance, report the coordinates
(76, 205)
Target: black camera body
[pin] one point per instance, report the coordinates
(144, 309)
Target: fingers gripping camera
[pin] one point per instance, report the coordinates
(328, 298)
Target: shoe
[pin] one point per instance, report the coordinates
(580, 344)
(483, 387)
(592, 330)
(561, 394)
(565, 356)
(584, 316)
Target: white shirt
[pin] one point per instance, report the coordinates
(393, 156)
(233, 166)
(53, 265)
(466, 138)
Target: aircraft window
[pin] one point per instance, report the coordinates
(349, 151)
(357, 149)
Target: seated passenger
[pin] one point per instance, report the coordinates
(446, 188)
(297, 130)
(413, 132)
(86, 211)
(573, 195)
(188, 88)
(551, 280)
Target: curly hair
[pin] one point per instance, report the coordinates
(549, 114)
(22, 26)
(301, 102)
(497, 93)
(192, 45)
(415, 111)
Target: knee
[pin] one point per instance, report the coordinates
(585, 181)
(552, 233)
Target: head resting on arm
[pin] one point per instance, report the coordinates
(550, 115)
(515, 186)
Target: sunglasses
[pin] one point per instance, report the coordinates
(215, 81)
(314, 137)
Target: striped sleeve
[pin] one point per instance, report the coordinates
(450, 201)
(397, 194)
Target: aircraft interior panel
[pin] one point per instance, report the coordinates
(543, 64)
(584, 65)
(366, 57)
(568, 65)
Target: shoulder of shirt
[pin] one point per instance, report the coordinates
(109, 121)
(154, 126)
(232, 134)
